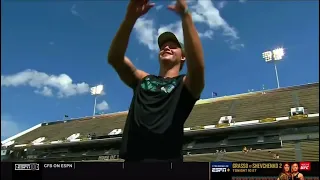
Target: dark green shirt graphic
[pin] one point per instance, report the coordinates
(156, 85)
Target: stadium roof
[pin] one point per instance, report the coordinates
(242, 107)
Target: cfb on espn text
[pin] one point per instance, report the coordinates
(60, 165)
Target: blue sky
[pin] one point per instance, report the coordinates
(53, 52)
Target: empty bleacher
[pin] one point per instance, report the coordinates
(310, 150)
(59, 131)
(285, 154)
(288, 144)
(251, 106)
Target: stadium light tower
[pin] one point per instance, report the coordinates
(96, 91)
(274, 56)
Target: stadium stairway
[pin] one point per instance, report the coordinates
(250, 106)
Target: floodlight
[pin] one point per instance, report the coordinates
(278, 54)
(97, 90)
(274, 55)
(267, 56)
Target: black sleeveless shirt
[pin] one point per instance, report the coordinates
(154, 126)
(296, 177)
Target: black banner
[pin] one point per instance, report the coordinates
(154, 171)
(107, 170)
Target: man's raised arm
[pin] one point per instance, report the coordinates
(193, 50)
(116, 56)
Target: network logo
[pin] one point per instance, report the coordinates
(219, 170)
(27, 167)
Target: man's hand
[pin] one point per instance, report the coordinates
(137, 8)
(194, 80)
(129, 74)
(179, 7)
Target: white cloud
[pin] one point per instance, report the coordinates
(102, 106)
(175, 28)
(197, 17)
(212, 18)
(207, 34)
(8, 127)
(146, 33)
(45, 83)
(222, 4)
(74, 11)
(159, 7)
(45, 91)
(203, 12)
(236, 46)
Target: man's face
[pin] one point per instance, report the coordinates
(171, 53)
(294, 167)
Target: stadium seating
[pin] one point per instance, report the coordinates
(250, 106)
(259, 152)
(310, 150)
(288, 144)
(285, 154)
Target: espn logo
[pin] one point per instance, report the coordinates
(218, 170)
(305, 166)
(26, 167)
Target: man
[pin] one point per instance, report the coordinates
(160, 104)
(295, 172)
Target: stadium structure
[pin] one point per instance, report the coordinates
(270, 125)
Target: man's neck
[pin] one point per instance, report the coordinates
(172, 72)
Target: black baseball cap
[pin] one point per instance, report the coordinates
(169, 36)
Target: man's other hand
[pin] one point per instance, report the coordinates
(137, 8)
(179, 7)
